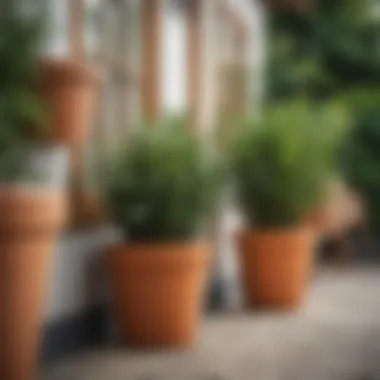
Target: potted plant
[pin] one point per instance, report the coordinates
(32, 202)
(161, 189)
(281, 164)
(69, 89)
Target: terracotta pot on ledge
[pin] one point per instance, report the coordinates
(29, 223)
(276, 266)
(158, 292)
(70, 90)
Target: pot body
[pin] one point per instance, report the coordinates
(276, 266)
(29, 223)
(158, 292)
(70, 91)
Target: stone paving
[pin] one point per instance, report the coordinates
(335, 337)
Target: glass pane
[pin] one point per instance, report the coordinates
(113, 37)
(174, 66)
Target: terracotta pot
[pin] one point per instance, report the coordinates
(276, 266)
(158, 292)
(70, 91)
(29, 222)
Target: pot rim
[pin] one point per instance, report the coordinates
(291, 230)
(159, 246)
(36, 211)
(30, 192)
(162, 258)
(56, 70)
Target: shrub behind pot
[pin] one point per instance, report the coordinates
(281, 165)
(161, 190)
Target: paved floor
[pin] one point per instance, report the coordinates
(335, 337)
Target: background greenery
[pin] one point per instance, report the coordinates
(333, 52)
(21, 109)
(331, 49)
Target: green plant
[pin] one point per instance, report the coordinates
(282, 162)
(162, 184)
(21, 109)
(329, 49)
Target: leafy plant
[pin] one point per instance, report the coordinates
(162, 184)
(282, 162)
(21, 109)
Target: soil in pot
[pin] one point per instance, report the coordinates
(276, 266)
(158, 292)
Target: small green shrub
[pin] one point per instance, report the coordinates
(162, 184)
(282, 162)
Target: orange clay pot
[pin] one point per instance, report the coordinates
(29, 222)
(70, 91)
(158, 292)
(276, 266)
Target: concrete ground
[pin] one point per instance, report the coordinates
(335, 337)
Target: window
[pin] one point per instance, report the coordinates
(112, 42)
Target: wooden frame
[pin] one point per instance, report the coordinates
(196, 23)
(76, 53)
(152, 14)
(194, 19)
(233, 65)
(76, 29)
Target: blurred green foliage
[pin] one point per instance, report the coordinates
(21, 109)
(361, 156)
(282, 163)
(333, 52)
(332, 48)
(163, 184)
